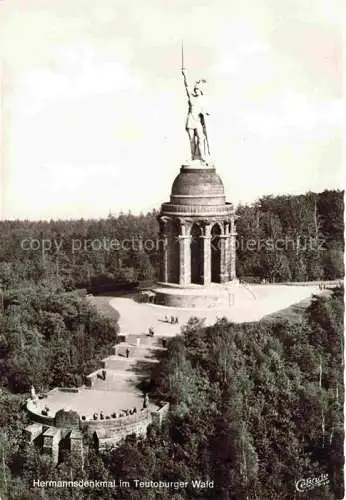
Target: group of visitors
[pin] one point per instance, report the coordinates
(146, 296)
(172, 319)
(122, 413)
(45, 411)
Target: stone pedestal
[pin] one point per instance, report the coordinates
(197, 210)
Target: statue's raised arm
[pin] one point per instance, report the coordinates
(185, 83)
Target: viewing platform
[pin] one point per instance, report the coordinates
(109, 408)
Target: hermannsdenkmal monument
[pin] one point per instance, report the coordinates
(197, 261)
(197, 279)
(197, 225)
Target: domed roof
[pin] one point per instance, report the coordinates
(198, 186)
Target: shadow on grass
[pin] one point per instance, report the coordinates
(295, 312)
(103, 306)
(145, 371)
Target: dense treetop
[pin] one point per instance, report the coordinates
(254, 408)
(280, 238)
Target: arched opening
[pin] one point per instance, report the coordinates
(173, 251)
(196, 255)
(215, 254)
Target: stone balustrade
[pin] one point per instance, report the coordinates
(197, 210)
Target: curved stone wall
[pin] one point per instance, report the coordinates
(108, 430)
(129, 424)
(36, 416)
(191, 299)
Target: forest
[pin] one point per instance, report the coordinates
(254, 407)
(282, 238)
(50, 337)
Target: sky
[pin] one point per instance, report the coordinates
(93, 105)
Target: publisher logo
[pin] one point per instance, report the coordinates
(310, 483)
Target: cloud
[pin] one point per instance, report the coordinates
(79, 73)
(293, 115)
(95, 104)
(241, 56)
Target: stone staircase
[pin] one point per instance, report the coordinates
(118, 379)
(115, 381)
(121, 370)
(141, 339)
(116, 362)
(135, 351)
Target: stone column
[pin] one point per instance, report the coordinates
(163, 248)
(228, 256)
(232, 244)
(164, 258)
(185, 256)
(223, 261)
(207, 255)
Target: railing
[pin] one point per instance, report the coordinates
(139, 416)
(170, 208)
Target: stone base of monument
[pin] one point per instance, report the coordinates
(199, 164)
(215, 295)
